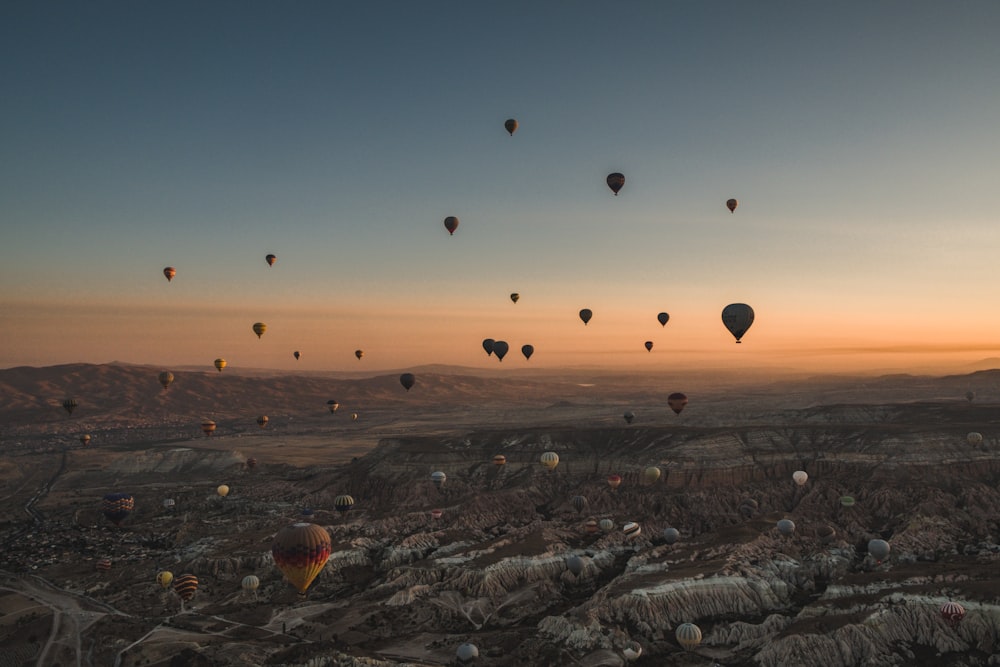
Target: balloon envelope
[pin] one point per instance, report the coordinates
(688, 636)
(407, 380)
(800, 477)
(677, 401)
(499, 460)
(786, 526)
(586, 314)
(731, 204)
(500, 348)
(85, 439)
(579, 503)
(343, 503)
(651, 474)
(616, 181)
(222, 490)
(511, 126)
(671, 535)
(169, 272)
(164, 578)
(165, 378)
(629, 417)
(527, 351)
(259, 328)
(220, 363)
(451, 224)
(296, 354)
(737, 318)
(300, 551)
(663, 318)
(270, 260)
(488, 346)
(974, 438)
(614, 480)
(952, 612)
(550, 460)
(70, 405)
(186, 586)
(438, 478)
(649, 346)
(359, 353)
(117, 506)
(262, 421)
(250, 583)
(208, 427)
(574, 564)
(879, 549)
(514, 297)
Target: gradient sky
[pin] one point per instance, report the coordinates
(862, 140)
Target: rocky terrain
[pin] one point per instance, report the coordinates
(403, 587)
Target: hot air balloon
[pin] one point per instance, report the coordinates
(296, 354)
(847, 501)
(649, 345)
(748, 507)
(164, 578)
(220, 364)
(550, 460)
(407, 380)
(359, 354)
(974, 438)
(514, 297)
(579, 503)
(970, 396)
(166, 377)
(671, 535)
(677, 401)
(731, 204)
(208, 427)
(616, 181)
(585, 315)
(510, 125)
(300, 551)
(527, 351)
(737, 317)
(438, 478)
(186, 586)
(262, 421)
(117, 506)
(85, 439)
(436, 514)
(270, 260)
(607, 525)
(333, 405)
(169, 504)
(879, 550)
(466, 653)
(952, 613)
(663, 318)
(343, 503)
(500, 348)
(488, 346)
(688, 636)
(354, 416)
(650, 474)
(103, 564)
(222, 490)
(786, 526)
(631, 529)
(800, 477)
(250, 583)
(826, 533)
(591, 526)
(629, 417)
(614, 480)
(499, 460)
(70, 405)
(251, 463)
(451, 224)
(259, 328)
(574, 564)
(632, 651)
(169, 272)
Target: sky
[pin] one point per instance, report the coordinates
(862, 140)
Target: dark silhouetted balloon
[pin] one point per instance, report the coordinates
(262, 421)
(629, 416)
(511, 126)
(649, 345)
(731, 204)
(70, 405)
(500, 348)
(170, 272)
(270, 260)
(663, 318)
(407, 380)
(514, 297)
(451, 224)
(117, 506)
(333, 404)
(585, 315)
(737, 317)
(677, 401)
(296, 354)
(616, 181)
(165, 378)
(488, 346)
(251, 463)
(359, 354)
(527, 351)
(579, 503)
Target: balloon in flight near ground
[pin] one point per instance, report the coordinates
(574, 564)
(731, 204)
(527, 351)
(607, 525)
(220, 363)
(222, 490)
(677, 401)
(186, 586)
(343, 503)
(631, 529)
(579, 503)
(650, 474)
(970, 396)
(164, 578)
(300, 551)
(466, 653)
(359, 354)
(500, 349)
(510, 125)
(208, 427)
(737, 317)
(847, 501)
(333, 405)
(262, 421)
(663, 318)
(786, 526)
(499, 460)
(688, 636)
(616, 181)
(259, 328)
(800, 477)
(632, 651)
(550, 460)
(165, 378)
(488, 346)
(879, 550)
(614, 480)
(169, 504)
(629, 417)
(296, 354)
(974, 438)
(250, 583)
(117, 506)
(451, 224)
(270, 260)
(70, 404)
(515, 297)
(952, 612)
(649, 345)
(407, 380)
(586, 314)
(251, 463)
(439, 478)
(671, 535)
(169, 272)
(85, 439)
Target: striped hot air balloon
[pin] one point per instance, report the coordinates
(499, 460)
(343, 503)
(631, 529)
(104, 564)
(579, 503)
(251, 463)
(186, 586)
(550, 460)
(688, 636)
(300, 551)
(117, 506)
(952, 613)
(250, 583)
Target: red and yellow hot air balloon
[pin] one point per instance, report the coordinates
(614, 481)
(300, 551)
